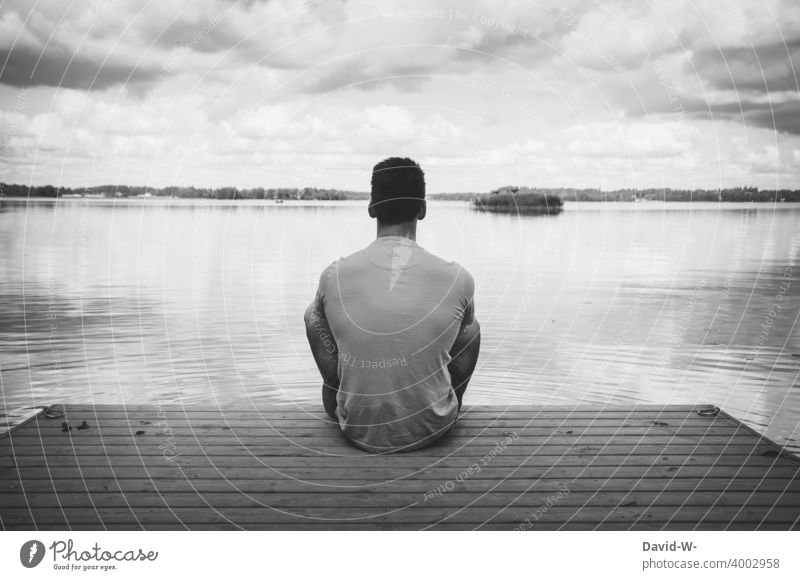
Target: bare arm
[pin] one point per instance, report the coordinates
(323, 345)
(466, 347)
(326, 354)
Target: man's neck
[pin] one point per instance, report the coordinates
(402, 230)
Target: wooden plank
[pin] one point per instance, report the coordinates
(322, 431)
(294, 430)
(524, 441)
(400, 461)
(167, 449)
(421, 487)
(306, 409)
(532, 499)
(589, 420)
(476, 418)
(411, 515)
(438, 526)
(641, 526)
(251, 418)
(388, 472)
(236, 419)
(317, 411)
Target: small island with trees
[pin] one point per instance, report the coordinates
(518, 200)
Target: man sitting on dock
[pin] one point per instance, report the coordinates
(392, 328)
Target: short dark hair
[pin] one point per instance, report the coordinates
(398, 190)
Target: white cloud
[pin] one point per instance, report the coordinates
(13, 32)
(630, 139)
(763, 160)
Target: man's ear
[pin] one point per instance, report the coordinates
(371, 211)
(422, 211)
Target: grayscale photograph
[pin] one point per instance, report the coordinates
(355, 266)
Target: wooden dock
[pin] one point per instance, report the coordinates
(283, 468)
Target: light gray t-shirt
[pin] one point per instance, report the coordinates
(395, 311)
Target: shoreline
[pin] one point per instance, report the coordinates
(568, 205)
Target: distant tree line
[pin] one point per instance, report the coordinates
(314, 193)
(653, 194)
(112, 191)
(454, 196)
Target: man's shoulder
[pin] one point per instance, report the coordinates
(355, 260)
(449, 273)
(450, 266)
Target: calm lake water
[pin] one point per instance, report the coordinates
(202, 302)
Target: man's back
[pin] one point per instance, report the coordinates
(395, 311)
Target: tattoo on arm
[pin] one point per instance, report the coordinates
(323, 345)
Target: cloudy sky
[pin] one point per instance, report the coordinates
(655, 93)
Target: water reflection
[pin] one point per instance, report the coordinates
(202, 302)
